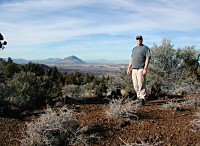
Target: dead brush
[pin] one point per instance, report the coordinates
(122, 108)
(55, 128)
(192, 102)
(196, 123)
(172, 105)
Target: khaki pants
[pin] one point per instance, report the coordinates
(139, 83)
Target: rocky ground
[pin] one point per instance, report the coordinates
(155, 125)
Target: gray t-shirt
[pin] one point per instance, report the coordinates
(139, 55)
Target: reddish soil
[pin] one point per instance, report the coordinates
(154, 126)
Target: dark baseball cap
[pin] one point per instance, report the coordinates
(139, 37)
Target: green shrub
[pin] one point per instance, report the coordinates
(72, 91)
(81, 91)
(89, 90)
(174, 69)
(24, 90)
(121, 81)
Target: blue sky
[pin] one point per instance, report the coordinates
(95, 29)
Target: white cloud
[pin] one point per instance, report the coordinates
(34, 24)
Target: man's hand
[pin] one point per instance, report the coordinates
(128, 71)
(129, 67)
(144, 72)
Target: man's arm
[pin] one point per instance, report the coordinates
(129, 67)
(146, 65)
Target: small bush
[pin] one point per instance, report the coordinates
(121, 81)
(172, 105)
(192, 102)
(187, 86)
(24, 90)
(89, 90)
(196, 123)
(56, 128)
(51, 128)
(81, 91)
(122, 108)
(72, 91)
(113, 84)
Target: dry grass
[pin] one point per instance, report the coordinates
(172, 105)
(56, 128)
(122, 108)
(196, 123)
(192, 102)
(50, 127)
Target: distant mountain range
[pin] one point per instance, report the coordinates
(69, 60)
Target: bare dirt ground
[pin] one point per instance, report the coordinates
(155, 126)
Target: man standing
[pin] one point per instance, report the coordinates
(139, 62)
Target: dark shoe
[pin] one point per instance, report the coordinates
(143, 102)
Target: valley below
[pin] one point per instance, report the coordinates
(94, 69)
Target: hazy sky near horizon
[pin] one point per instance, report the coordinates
(94, 29)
